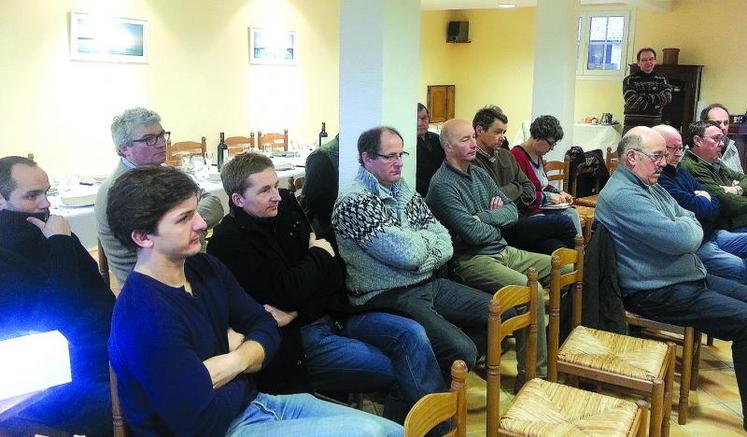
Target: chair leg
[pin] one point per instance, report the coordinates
(696, 362)
(709, 340)
(669, 390)
(688, 352)
(657, 409)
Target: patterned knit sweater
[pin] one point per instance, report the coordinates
(387, 236)
(645, 96)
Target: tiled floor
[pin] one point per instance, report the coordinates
(715, 409)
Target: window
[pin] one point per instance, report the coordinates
(602, 43)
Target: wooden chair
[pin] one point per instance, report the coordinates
(295, 185)
(118, 421)
(611, 160)
(639, 365)
(175, 151)
(435, 408)
(558, 171)
(689, 339)
(541, 407)
(238, 145)
(273, 142)
(103, 263)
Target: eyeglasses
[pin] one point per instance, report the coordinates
(551, 143)
(392, 157)
(716, 138)
(656, 157)
(676, 150)
(152, 140)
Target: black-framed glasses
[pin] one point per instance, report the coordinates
(550, 142)
(392, 156)
(716, 138)
(656, 157)
(152, 140)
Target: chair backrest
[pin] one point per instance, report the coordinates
(505, 299)
(175, 151)
(435, 408)
(238, 145)
(558, 280)
(558, 171)
(118, 421)
(274, 142)
(611, 160)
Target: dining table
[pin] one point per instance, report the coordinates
(81, 215)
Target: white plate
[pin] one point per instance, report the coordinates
(556, 206)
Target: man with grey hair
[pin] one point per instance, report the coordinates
(655, 240)
(717, 113)
(140, 141)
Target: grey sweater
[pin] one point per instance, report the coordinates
(121, 258)
(387, 237)
(462, 202)
(655, 239)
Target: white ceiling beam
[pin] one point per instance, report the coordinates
(651, 5)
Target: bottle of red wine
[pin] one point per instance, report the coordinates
(222, 151)
(323, 133)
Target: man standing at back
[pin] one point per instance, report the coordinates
(645, 92)
(140, 141)
(717, 113)
(54, 284)
(392, 246)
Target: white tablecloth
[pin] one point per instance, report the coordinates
(83, 222)
(595, 136)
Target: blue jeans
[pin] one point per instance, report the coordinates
(455, 317)
(716, 306)
(305, 415)
(734, 242)
(372, 351)
(721, 262)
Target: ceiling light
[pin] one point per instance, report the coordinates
(506, 5)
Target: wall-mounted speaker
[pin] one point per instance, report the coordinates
(458, 31)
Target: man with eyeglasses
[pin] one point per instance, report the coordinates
(392, 245)
(721, 251)
(645, 92)
(702, 160)
(140, 141)
(718, 113)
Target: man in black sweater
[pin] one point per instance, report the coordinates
(267, 242)
(645, 92)
(48, 281)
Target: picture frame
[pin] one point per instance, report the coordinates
(274, 47)
(108, 39)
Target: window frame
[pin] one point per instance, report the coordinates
(582, 53)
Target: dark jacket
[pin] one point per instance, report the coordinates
(320, 187)
(682, 186)
(272, 261)
(429, 159)
(602, 303)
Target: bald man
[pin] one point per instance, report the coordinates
(468, 202)
(721, 251)
(656, 240)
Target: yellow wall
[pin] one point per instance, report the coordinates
(198, 78)
(497, 66)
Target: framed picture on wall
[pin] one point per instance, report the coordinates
(96, 37)
(268, 46)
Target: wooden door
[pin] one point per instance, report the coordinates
(441, 102)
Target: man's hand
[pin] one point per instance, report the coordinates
(55, 225)
(322, 244)
(247, 358)
(495, 203)
(281, 317)
(702, 193)
(736, 190)
(566, 198)
(234, 340)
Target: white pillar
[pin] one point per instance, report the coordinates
(554, 87)
(379, 67)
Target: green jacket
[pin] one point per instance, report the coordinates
(733, 213)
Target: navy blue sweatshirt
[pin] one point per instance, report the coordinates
(681, 185)
(160, 337)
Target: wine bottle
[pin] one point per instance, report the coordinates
(222, 151)
(323, 133)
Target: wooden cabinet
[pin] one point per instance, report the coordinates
(441, 102)
(685, 81)
(738, 132)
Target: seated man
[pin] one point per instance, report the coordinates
(140, 141)
(539, 233)
(320, 187)
(179, 373)
(544, 132)
(51, 282)
(392, 245)
(727, 261)
(717, 113)
(469, 203)
(430, 154)
(267, 243)
(702, 161)
(655, 241)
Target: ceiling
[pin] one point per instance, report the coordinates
(655, 5)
